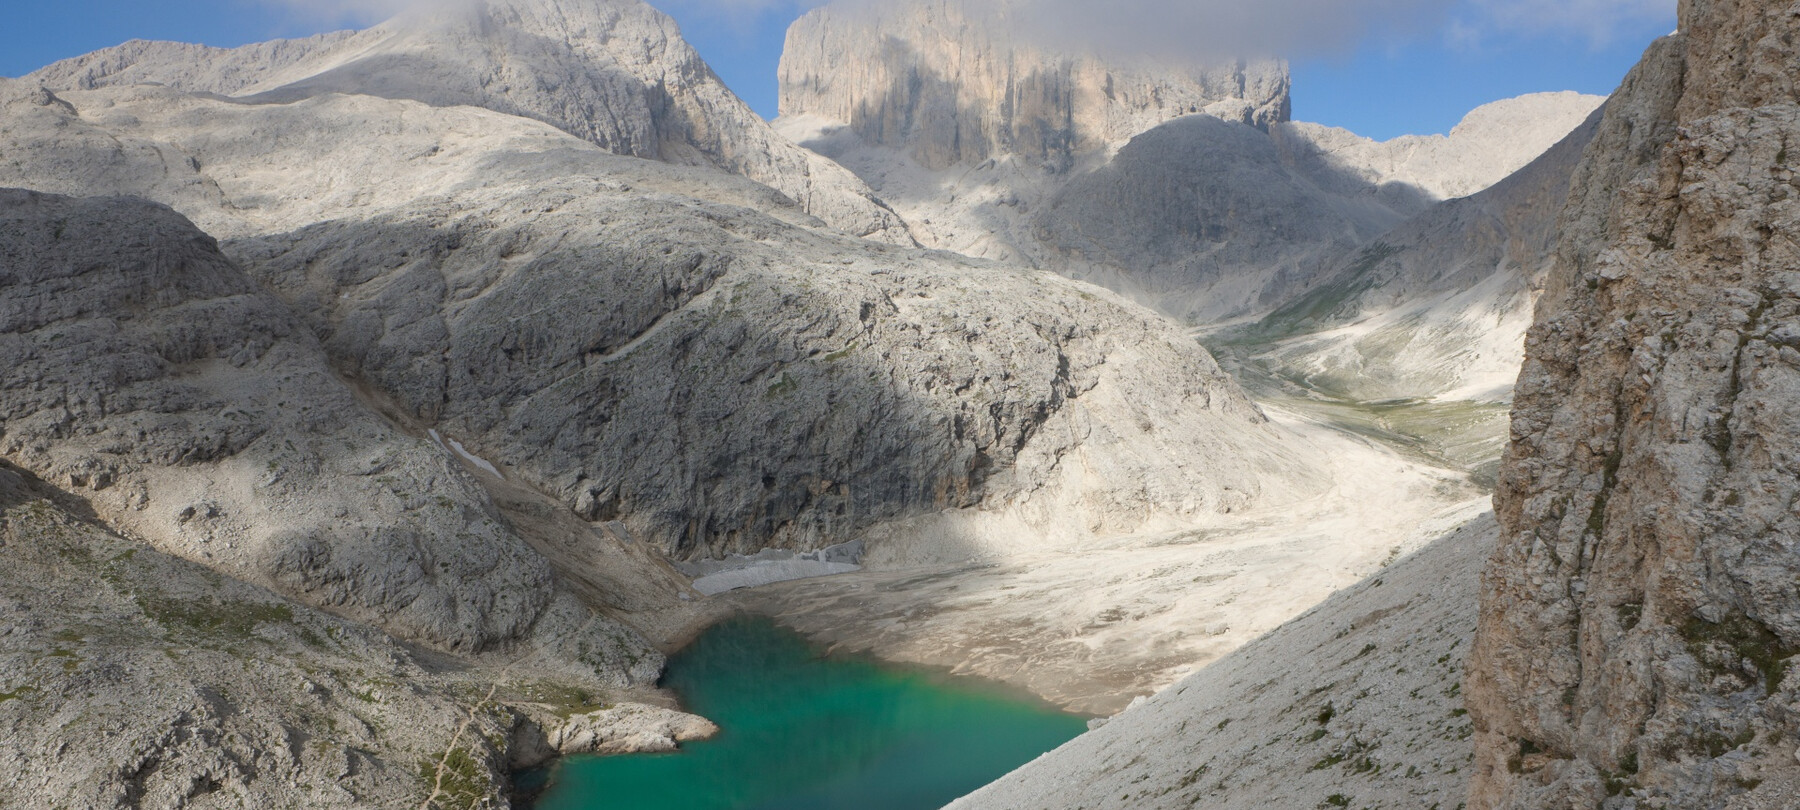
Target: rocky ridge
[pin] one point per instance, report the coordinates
(1491, 143)
(297, 569)
(1639, 613)
(948, 82)
(193, 410)
(1436, 308)
(615, 73)
(779, 337)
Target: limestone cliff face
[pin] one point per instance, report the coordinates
(667, 346)
(613, 72)
(945, 80)
(195, 411)
(1639, 613)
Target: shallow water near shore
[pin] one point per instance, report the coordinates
(805, 731)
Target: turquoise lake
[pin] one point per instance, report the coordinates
(805, 731)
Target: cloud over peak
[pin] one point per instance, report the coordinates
(1293, 28)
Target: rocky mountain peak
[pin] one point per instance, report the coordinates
(615, 73)
(944, 79)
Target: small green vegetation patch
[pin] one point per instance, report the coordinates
(459, 781)
(564, 701)
(226, 617)
(1721, 646)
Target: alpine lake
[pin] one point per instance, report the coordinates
(802, 730)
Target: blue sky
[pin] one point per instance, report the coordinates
(1422, 81)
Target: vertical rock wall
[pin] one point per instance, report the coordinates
(943, 79)
(1639, 613)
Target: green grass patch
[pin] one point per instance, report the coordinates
(228, 618)
(1719, 647)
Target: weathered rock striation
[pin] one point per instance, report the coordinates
(1639, 614)
(615, 73)
(129, 678)
(350, 594)
(551, 306)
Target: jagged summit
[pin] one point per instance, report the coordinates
(946, 82)
(615, 73)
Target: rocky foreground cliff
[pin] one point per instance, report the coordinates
(1640, 613)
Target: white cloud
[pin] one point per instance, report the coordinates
(348, 12)
(1296, 28)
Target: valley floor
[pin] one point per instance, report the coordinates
(1355, 703)
(1093, 626)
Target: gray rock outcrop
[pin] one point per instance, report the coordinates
(629, 728)
(716, 378)
(193, 410)
(1639, 615)
(613, 72)
(1354, 703)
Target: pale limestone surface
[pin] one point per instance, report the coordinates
(1491, 143)
(1639, 614)
(1436, 308)
(629, 728)
(546, 305)
(949, 82)
(192, 409)
(157, 393)
(1357, 698)
(823, 385)
(132, 678)
(613, 72)
(1090, 622)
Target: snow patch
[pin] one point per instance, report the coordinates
(456, 448)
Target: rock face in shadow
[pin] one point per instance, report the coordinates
(948, 82)
(1202, 216)
(192, 409)
(615, 73)
(664, 346)
(1437, 306)
(1639, 615)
